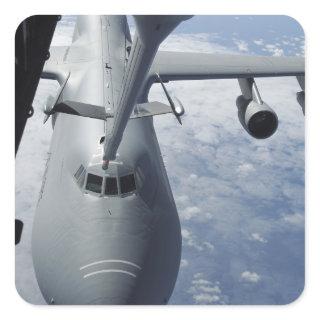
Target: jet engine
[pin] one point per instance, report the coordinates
(256, 117)
(259, 120)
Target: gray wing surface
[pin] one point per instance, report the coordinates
(200, 66)
(58, 55)
(56, 68)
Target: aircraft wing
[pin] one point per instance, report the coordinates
(56, 67)
(199, 66)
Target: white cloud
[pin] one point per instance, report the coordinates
(205, 298)
(183, 199)
(193, 43)
(258, 42)
(245, 169)
(207, 136)
(209, 245)
(189, 212)
(190, 240)
(243, 46)
(296, 219)
(184, 263)
(185, 233)
(258, 237)
(206, 292)
(274, 50)
(248, 276)
(277, 52)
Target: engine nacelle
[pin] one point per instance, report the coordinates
(258, 119)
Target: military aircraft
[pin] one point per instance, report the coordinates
(106, 229)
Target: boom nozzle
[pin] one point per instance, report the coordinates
(105, 164)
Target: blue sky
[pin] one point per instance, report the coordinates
(260, 34)
(240, 200)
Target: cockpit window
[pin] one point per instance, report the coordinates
(94, 183)
(79, 172)
(127, 183)
(80, 176)
(111, 186)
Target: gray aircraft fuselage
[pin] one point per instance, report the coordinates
(91, 245)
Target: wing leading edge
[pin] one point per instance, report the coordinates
(200, 66)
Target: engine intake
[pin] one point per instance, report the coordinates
(259, 120)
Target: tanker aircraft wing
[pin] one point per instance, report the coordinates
(252, 111)
(200, 66)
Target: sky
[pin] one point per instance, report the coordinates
(240, 200)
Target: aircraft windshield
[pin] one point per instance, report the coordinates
(111, 183)
(111, 187)
(80, 176)
(127, 183)
(94, 183)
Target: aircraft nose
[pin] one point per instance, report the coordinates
(99, 260)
